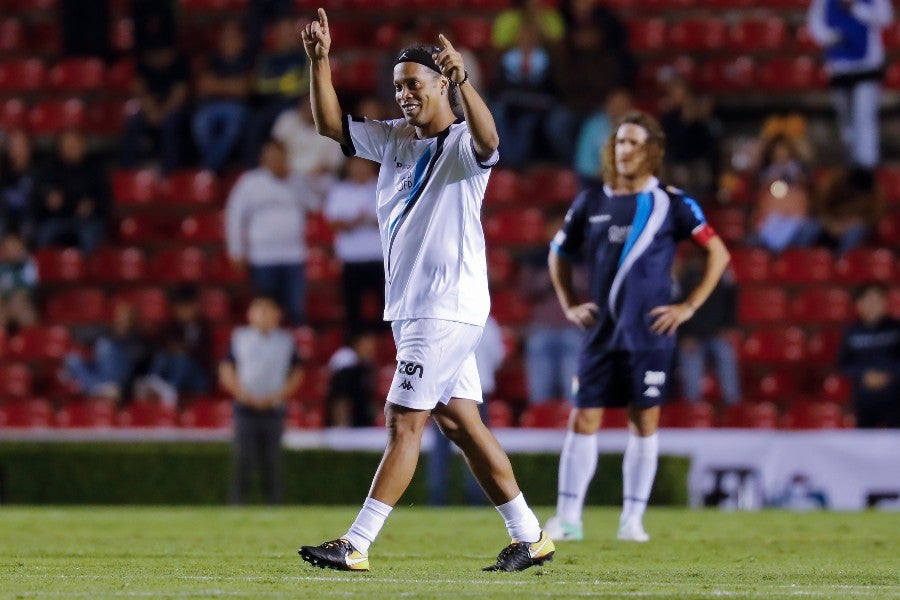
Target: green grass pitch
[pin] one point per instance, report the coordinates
(105, 552)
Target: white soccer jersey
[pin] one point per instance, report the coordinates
(429, 213)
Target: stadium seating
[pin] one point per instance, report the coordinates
(762, 305)
(13, 114)
(50, 117)
(522, 227)
(22, 75)
(684, 415)
(86, 413)
(774, 345)
(776, 385)
(11, 35)
(503, 186)
(78, 306)
(146, 414)
(26, 413)
(647, 35)
(191, 188)
(758, 34)
(57, 265)
(207, 413)
(822, 346)
(77, 75)
(499, 414)
(179, 265)
(39, 343)
(804, 265)
(135, 187)
(552, 415)
(204, 227)
(15, 380)
(822, 305)
(751, 415)
(864, 265)
(751, 265)
(151, 302)
(112, 265)
(148, 228)
(215, 305)
(697, 34)
(814, 415)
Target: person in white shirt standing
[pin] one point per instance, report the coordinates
(265, 228)
(350, 210)
(434, 171)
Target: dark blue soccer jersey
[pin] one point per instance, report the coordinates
(629, 244)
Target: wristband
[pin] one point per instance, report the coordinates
(465, 79)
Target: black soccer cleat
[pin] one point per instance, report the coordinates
(337, 554)
(518, 556)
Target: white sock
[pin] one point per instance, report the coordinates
(577, 465)
(521, 523)
(638, 472)
(368, 523)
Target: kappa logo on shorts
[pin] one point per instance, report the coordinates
(406, 385)
(654, 377)
(410, 368)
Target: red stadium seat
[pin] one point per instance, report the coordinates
(52, 116)
(823, 345)
(775, 345)
(314, 390)
(647, 35)
(37, 343)
(179, 265)
(324, 306)
(511, 382)
(803, 40)
(775, 385)
(892, 36)
(26, 413)
(726, 75)
(552, 415)
(836, 388)
(122, 35)
(321, 266)
(147, 229)
(215, 305)
(889, 179)
(77, 75)
(305, 416)
(729, 223)
(894, 302)
(822, 305)
(499, 414)
(191, 187)
(751, 415)
(804, 265)
(751, 265)
(78, 306)
(318, 231)
(501, 267)
(207, 413)
(758, 34)
(866, 265)
(317, 347)
(15, 380)
(549, 185)
(57, 265)
(386, 35)
(358, 75)
(686, 415)
(13, 114)
(120, 77)
(146, 414)
(105, 118)
(89, 413)
(11, 35)
(151, 302)
(762, 305)
(22, 75)
(889, 230)
(502, 187)
(473, 33)
(697, 34)
(115, 265)
(222, 270)
(615, 418)
(814, 415)
(135, 187)
(794, 74)
(510, 308)
(45, 37)
(515, 227)
(204, 227)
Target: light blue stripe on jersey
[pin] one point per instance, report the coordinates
(418, 182)
(695, 208)
(641, 216)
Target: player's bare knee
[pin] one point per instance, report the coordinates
(585, 421)
(405, 425)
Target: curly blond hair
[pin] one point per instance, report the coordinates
(656, 144)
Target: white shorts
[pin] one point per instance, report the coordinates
(435, 362)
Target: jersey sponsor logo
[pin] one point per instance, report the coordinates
(654, 377)
(410, 368)
(600, 218)
(406, 385)
(652, 392)
(619, 233)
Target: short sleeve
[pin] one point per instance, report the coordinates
(469, 158)
(690, 220)
(365, 138)
(568, 241)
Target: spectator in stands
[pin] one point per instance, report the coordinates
(546, 22)
(161, 88)
(265, 227)
(281, 79)
(154, 25)
(261, 372)
(350, 210)
(870, 357)
(553, 342)
(73, 202)
(223, 89)
(182, 363)
(596, 129)
(849, 31)
(119, 356)
(260, 15)
(351, 388)
(18, 183)
(846, 212)
(692, 136)
(704, 336)
(781, 216)
(524, 97)
(597, 63)
(309, 153)
(18, 281)
(85, 27)
(489, 357)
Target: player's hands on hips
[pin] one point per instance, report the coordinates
(317, 37)
(449, 61)
(669, 317)
(583, 315)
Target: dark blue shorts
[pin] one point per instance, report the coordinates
(616, 379)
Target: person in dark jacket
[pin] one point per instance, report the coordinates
(870, 357)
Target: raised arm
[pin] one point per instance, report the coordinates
(326, 109)
(478, 116)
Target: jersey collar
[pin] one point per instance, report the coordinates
(652, 184)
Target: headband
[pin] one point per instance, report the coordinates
(419, 54)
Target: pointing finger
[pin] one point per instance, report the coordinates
(323, 18)
(445, 42)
